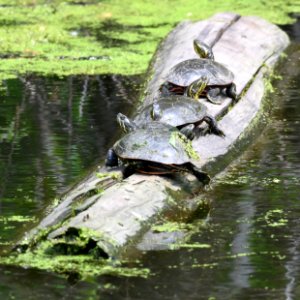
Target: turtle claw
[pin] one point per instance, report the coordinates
(215, 96)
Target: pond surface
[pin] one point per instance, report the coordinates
(254, 226)
(51, 130)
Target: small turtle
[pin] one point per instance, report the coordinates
(200, 77)
(153, 148)
(179, 111)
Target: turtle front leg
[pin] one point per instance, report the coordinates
(213, 125)
(111, 159)
(196, 88)
(188, 131)
(198, 173)
(128, 170)
(156, 112)
(231, 92)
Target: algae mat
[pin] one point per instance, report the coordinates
(100, 37)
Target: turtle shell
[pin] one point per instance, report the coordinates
(155, 142)
(186, 72)
(176, 111)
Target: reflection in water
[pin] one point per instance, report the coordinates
(293, 266)
(240, 244)
(51, 130)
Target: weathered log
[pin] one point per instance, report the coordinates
(123, 212)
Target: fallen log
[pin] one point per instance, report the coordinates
(117, 213)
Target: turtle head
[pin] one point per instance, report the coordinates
(125, 123)
(196, 88)
(203, 50)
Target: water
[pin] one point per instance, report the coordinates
(253, 228)
(50, 131)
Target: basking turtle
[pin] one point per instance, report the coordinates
(179, 111)
(153, 148)
(200, 77)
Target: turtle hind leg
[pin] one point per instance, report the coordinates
(128, 171)
(231, 92)
(111, 159)
(215, 96)
(213, 126)
(199, 174)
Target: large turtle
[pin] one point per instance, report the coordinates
(201, 76)
(179, 111)
(153, 148)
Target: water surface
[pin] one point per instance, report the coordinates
(52, 131)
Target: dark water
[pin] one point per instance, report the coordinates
(50, 131)
(253, 228)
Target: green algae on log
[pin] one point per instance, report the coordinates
(122, 213)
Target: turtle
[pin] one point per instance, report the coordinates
(179, 111)
(200, 76)
(153, 148)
